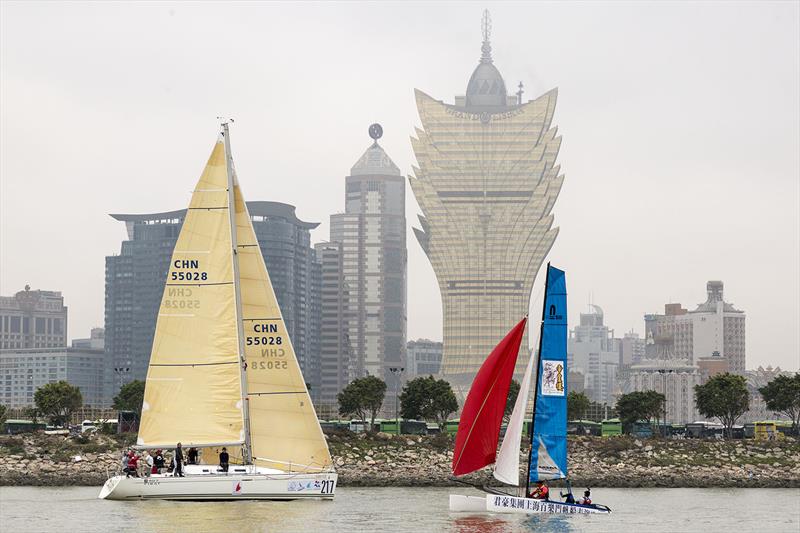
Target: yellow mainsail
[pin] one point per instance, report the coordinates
(195, 383)
(193, 392)
(285, 432)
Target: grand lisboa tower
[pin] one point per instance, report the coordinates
(486, 180)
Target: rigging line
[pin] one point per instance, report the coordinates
(198, 284)
(205, 208)
(246, 245)
(196, 364)
(260, 319)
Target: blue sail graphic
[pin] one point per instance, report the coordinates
(548, 458)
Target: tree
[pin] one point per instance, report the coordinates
(782, 394)
(640, 405)
(725, 397)
(513, 392)
(130, 397)
(57, 401)
(2, 415)
(362, 397)
(577, 404)
(428, 398)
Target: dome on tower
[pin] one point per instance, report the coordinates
(486, 87)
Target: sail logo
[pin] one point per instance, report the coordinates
(237, 488)
(552, 378)
(552, 313)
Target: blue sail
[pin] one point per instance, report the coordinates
(548, 459)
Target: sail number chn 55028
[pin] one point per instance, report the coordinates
(187, 270)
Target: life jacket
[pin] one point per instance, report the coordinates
(586, 501)
(544, 492)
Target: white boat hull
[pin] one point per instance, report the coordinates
(500, 503)
(221, 486)
(467, 504)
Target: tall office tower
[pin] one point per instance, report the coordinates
(593, 353)
(486, 182)
(135, 284)
(372, 233)
(33, 319)
(334, 350)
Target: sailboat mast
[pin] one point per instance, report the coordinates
(247, 450)
(536, 387)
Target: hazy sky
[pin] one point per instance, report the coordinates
(680, 125)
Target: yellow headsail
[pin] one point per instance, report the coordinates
(193, 391)
(285, 432)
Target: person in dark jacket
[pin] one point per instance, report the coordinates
(178, 461)
(191, 456)
(158, 462)
(223, 459)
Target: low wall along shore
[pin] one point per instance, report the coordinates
(388, 460)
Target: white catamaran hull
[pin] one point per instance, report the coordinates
(467, 504)
(232, 486)
(500, 503)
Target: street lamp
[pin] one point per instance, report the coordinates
(397, 371)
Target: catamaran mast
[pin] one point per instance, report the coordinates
(536, 387)
(247, 450)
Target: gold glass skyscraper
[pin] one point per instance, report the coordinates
(486, 182)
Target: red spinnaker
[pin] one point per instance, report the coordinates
(479, 427)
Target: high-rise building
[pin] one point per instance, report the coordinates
(632, 349)
(135, 284)
(33, 319)
(594, 353)
(714, 329)
(372, 235)
(334, 352)
(24, 370)
(424, 358)
(486, 182)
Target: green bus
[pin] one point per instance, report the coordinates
(611, 427)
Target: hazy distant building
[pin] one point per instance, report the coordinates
(424, 358)
(335, 352)
(95, 341)
(33, 319)
(593, 352)
(632, 349)
(755, 380)
(372, 234)
(135, 284)
(24, 370)
(486, 182)
(676, 379)
(714, 329)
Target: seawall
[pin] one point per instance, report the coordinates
(387, 460)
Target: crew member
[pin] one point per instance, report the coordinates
(223, 460)
(587, 499)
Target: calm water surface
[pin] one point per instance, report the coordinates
(77, 509)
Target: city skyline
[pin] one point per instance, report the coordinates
(639, 225)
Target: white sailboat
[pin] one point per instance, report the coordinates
(222, 370)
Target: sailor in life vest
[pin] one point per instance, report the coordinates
(542, 492)
(586, 500)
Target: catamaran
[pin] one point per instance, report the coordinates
(222, 370)
(480, 424)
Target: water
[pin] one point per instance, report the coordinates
(77, 509)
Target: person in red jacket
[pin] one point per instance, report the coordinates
(586, 500)
(542, 492)
(133, 463)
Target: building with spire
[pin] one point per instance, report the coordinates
(372, 236)
(486, 180)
